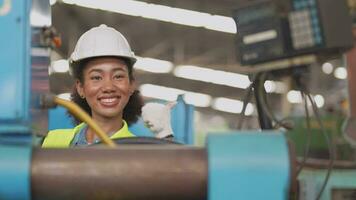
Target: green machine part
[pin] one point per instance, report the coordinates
(318, 146)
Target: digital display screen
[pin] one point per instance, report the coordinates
(253, 13)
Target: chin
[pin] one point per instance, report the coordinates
(110, 114)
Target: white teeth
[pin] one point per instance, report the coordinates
(109, 100)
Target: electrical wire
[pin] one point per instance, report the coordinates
(80, 114)
(247, 98)
(265, 106)
(307, 94)
(308, 133)
(328, 141)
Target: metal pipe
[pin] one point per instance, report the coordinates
(127, 172)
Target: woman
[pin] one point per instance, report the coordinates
(102, 65)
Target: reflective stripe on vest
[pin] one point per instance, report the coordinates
(62, 138)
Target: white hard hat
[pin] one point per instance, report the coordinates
(101, 41)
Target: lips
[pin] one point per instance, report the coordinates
(109, 101)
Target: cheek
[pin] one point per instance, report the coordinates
(125, 89)
(90, 91)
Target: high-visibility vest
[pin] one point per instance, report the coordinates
(62, 138)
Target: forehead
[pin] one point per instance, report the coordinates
(106, 64)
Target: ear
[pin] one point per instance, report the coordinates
(79, 87)
(171, 104)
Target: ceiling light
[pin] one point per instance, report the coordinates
(327, 68)
(52, 2)
(160, 92)
(39, 19)
(270, 86)
(212, 76)
(275, 87)
(161, 13)
(197, 99)
(294, 96)
(340, 73)
(221, 23)
(231, 106)
(60, 66)
(319, 100)
(171, 94)
(153, 65)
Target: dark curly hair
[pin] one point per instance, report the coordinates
(132, 110)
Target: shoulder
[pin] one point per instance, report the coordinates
(59, 138)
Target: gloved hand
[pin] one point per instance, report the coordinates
(157, 117)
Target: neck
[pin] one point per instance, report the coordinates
(108, 125)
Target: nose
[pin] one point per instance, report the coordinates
(108, 86)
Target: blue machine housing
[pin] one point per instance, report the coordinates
(15, 73)
(248, 165)
(15, 66)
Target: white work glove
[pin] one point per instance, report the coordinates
(157, 117)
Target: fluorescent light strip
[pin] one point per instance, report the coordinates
(37, 19)
(319, 100)
(212, 76)
(340, 73)
(59, 66)
(171, 94)
(153, 65)
(189, 72)
(52, 2)
(231, 106)
(294, 96)
(196, 99)
(327, 68)
(275, 87)
(161, 13)
(145, 64)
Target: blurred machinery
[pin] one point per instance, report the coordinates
(283, 38)
(274, 29)
(230, 167)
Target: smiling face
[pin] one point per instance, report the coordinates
(106, 87)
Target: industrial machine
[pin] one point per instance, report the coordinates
(232, 166)
(274, 29)
(283, 38)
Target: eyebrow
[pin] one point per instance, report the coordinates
(113, 70)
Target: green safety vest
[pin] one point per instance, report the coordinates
(62, 138)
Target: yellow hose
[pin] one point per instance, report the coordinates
(80, 114)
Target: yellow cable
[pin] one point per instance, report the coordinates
(80, 114)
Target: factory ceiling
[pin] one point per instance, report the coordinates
(180, 44)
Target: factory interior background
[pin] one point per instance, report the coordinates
(179, 57)
(241, 71)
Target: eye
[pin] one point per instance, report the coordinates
(119, 76)
(95, 78)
